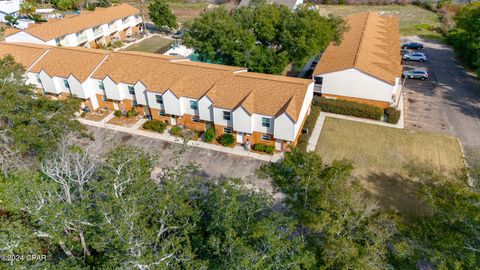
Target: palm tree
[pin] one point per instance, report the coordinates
(27, 9)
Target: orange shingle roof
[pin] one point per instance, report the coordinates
(25, 54)
(73, 24)
(227, 87)
(371, 44)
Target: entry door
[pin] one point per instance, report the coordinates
(239, 137)
(278, 145)
(173, 121)
(115, 106)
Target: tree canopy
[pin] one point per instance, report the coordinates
(263, 37)
(465, 37)
(161, 15)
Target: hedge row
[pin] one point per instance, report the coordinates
(263, 148)
(308, 128)
(346, 107)
(155, 125)
(393, 115)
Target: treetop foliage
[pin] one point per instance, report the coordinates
(161, 15)
(263, 37)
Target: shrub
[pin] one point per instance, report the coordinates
(393, 115)
(155, 125)
(263, 148)
(117, 113)
(349, 108)
(226, 139)
(132, 113)
(176, 131)
(83, 114)
(209, 135)
(309, 125)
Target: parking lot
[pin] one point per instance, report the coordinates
(449, 101)
(211, 163)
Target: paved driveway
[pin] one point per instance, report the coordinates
(449, 101)
(212, 163)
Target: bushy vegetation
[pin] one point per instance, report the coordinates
(155, 125)
(209, 134)
(308, 128)
(176, 131)
(346, 107)
(264, 38)
(393, 115)
(269, 149)
(226, 139)
(161, 15)
(132, 113)
(465, 37)
(118, 113)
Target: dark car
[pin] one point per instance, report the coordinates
(412, 46)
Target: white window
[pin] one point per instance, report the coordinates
(131, 90)
(227, 130)
(195, 119)
(193, 105)
(104, 98)
(266, 137)
(161, 113)
(319, 80)
(100, 85)
(159, 99)
(38, 79)
(265, 122)
(227, 115)
(57, 41)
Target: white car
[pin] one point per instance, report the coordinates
(415, 56)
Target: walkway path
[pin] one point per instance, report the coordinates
(237, 150)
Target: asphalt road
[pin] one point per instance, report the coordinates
(449, 101)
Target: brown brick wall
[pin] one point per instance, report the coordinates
(134, 29)
(121, 34)
(104, 104)
(187, 122)
(107, 39)
(381, 104)
(92, 44)
(257, 138)
(156, 116)
(127, 105)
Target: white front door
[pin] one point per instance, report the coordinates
(173, 121)
(278, 145)
(239, 137)
(115, 106)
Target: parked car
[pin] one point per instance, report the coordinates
(178, 34)
(415, 56)
(412, 46)
(416, 74)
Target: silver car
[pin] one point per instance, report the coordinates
(415, 56)
(416, 74)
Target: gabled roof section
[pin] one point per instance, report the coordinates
(86, 19)
(25, 54)
(371, 44)
(63, 62)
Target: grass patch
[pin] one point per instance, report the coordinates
(151, 45)
(413, 19)
(380, 155)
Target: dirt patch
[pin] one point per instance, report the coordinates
(97, 115)
(123, 121)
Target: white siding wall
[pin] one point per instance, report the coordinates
(24, 37)
(31, 78)
(123, 89)
(285, 128)
(305, 107)
(152, 100)
(257, 124)
(111, 89)
(76, 87)
(141, 93)
(48, 83)
(205, 109)
(353, 83)
(242, 121)
(218, 117)
(185, 106)
(171, 103)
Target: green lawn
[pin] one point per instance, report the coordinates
(413, 19)
(380, 155)
(150, 45)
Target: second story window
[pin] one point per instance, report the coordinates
(66, 84)
(193, 105)
(38, 79)
(131, 90)
(57, 41)
(227, 115)
(159, 99)
(101, 86)
(265, 122)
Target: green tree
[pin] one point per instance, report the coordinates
(11, 20)
(345, 230)
(263, 37)
(161, 14)
(27, 8)
(465, 37)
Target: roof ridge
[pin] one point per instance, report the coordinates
(271, 77)
(362, 38)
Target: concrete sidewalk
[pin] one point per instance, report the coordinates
(237, 150)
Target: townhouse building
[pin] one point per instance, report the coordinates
(89, 29)
(256, 107)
